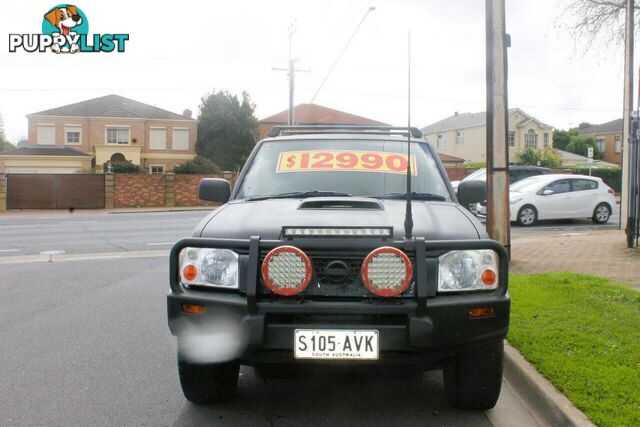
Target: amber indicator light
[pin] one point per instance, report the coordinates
(480, 312)
(193, 308)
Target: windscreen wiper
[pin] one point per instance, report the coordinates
(300, 194)
(414, 196)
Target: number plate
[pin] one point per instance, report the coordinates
(335, 344)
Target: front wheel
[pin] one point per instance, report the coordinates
(601, 213)
(208, 383)
(527, 216)
(475, 378)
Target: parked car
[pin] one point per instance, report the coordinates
(310, 260)
(516, 173)
(558, 197)
(477, 191)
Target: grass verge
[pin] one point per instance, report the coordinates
(583, 334)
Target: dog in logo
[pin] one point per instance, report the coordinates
(64, 18)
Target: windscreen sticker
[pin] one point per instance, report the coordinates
(356, 161)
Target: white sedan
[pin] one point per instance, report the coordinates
(558, 197)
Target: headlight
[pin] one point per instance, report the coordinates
(462, 271)
(514, 201)
(209, 267)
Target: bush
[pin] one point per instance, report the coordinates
(198, 165)
(611, 176)
(549, 158)
(125, 167)
(579, 144)
(475, 165)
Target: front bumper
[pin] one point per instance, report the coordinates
(423, 330)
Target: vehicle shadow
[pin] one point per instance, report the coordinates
(325, 397)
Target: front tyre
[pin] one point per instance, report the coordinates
(475, 378)
(208, 383)
(527, 216)
(601, 213)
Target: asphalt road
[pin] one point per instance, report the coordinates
(82, 233)
(94, 232)
(84, 341)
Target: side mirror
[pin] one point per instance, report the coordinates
(548, 192)
(471, 192)
(214, 190)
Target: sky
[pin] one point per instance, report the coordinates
(180, 51)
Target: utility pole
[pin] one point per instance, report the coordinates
(627, 199)
(291, 70)
(498, 225)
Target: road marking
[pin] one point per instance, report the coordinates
(53, 252)
(9, 250)
(160, 244)
(94, 257)
(28, 259)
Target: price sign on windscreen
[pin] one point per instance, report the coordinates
(356, 161)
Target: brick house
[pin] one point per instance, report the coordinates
(314, 114)
(608, 138)
(85, 136)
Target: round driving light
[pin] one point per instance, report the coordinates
(488, 277)
(286, 270)
(189, 272)
(387, 271)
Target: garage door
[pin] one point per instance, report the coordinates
(55, 191)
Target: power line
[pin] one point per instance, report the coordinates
(335, 62)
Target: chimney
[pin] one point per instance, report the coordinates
(187, 113)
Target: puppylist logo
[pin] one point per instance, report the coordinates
(65, 29)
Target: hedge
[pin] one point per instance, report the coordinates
(611, 176)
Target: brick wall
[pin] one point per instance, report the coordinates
(456, 174)
(134, 190)
(186, 190)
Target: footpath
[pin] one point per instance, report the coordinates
(599, 252)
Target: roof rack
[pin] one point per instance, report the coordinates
(319, 129)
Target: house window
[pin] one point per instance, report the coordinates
(546, 140)
(441, 142)
(158, 138)
(512, 138)
(459, 138)
(180, 139)
(600, 144)
(73, 135)
(156, 168)
(531, 139)
(118, 136)
(46, 135)
(618, 146)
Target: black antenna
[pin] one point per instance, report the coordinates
(408, 217)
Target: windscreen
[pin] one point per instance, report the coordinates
(355, 167)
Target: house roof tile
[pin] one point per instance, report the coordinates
(468, 120)
(314, 114)
(112, 106)
(608, 127)
(44, 151)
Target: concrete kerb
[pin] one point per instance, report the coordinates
(550, 405)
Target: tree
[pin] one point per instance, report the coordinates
(561, 138)
(198, 165)
(227, 129)
(580, 144)
(594, 18)
(4, 144)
